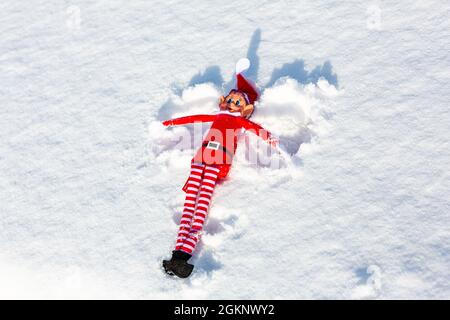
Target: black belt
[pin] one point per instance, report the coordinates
(216, 146)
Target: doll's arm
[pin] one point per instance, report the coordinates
(189, 119)
(259, 131)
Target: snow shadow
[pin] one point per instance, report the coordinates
(362, 275)
(214, 226)
(252, 55)
(211, 74)
(296, 70)
(205, 260)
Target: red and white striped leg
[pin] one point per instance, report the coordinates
(207, 185)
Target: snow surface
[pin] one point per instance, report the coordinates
(357, 92)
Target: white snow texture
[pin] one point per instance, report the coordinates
(358, 94)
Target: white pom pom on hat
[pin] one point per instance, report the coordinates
(242, 65)
(242, 84)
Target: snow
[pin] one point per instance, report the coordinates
(357, 206)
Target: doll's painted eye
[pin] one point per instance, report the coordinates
(229, 101)
(237, 102)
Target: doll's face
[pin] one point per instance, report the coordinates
(235, 102)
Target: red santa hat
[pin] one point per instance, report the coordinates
(242, 84)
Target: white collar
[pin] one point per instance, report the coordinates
(234, 114)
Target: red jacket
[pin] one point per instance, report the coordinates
(220, 143)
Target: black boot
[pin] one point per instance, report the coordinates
(178, 265)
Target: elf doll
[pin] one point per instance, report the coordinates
(211, 163)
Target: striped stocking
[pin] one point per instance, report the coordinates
(200, 187)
